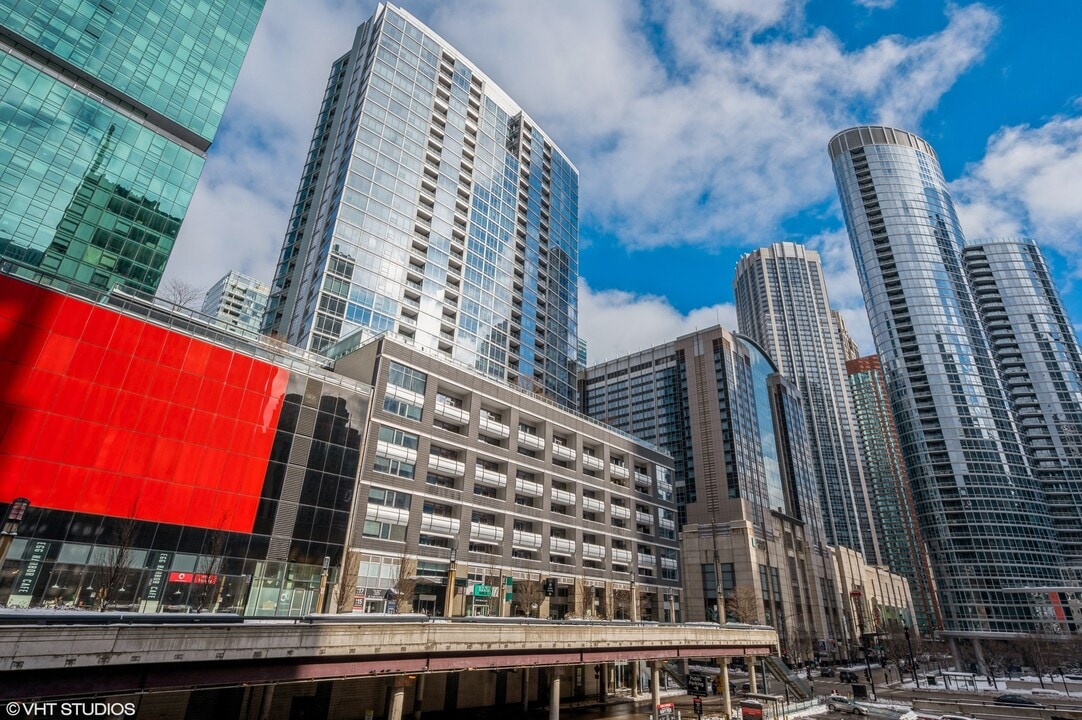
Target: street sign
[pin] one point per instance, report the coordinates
(697, 685)
(666, 711)
(698, 704)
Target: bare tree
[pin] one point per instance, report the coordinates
(346, 587)
(525, 595)
(621, 604)
(743, 605)
(1040, 650)
(405, 585)
(118, 562)
(998, 657)
(181, 293)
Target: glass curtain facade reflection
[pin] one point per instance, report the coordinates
(980, 508)
(1037, 351)
(432, 207)
(782, 303)
(107, 111)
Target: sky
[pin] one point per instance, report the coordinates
(699, 129)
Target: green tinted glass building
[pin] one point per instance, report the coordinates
(107, 109)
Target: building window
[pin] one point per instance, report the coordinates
(408, 378)
(397, 407)
(394, 436)
(393, 467)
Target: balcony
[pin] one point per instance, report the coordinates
(490, 478)
(563, 497)
(457, 415)
(446, 466)
(667, 524)
(561, 546)
(592, 462)
(530, 442)
(494, 428)
(523, 539)
(529, 488)
(386, 514)
(439, 524)
(619, 512)
(593, 552)
(619, 471)
(621, 556)
(396, 452)
(485, 533)
(406, 396)
(593, 505)
(641, 479)
(563, 452)
(644, 518)
(648, 560)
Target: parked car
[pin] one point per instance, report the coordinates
(826, 671)
(840, 703)
(1021, 700)
(848, 676)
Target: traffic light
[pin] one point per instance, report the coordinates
(550, 587)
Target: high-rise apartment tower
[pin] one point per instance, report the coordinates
(433, 208)
(783, 305)
(237, 301)
(980, 508)
(1037, 351)
(108, 110)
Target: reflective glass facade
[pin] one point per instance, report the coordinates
(169, 466)
(1038, 354)
(900, 537)
(433, 208)
(782, 303)
(107, 111)
(980, 508)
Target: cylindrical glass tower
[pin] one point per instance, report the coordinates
(980, 508)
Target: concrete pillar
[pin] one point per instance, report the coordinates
(727, 701)
(554, 697)
(750, 664)
(266, 699)
(982, 667)
(655, 686)
(398, 698)
(955, 653)
(419, 697)
(525, 689)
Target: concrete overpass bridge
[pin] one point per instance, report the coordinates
(375, 660)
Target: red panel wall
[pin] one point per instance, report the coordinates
(102, 413)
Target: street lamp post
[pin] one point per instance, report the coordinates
(912, 664)
(449, 596)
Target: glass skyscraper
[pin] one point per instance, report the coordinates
(783, 305)
(106, 114)
(1037, 351)
(980, 507)
(433, 208)
(900, 540)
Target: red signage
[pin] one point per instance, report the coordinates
(193, 578)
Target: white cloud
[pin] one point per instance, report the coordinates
(616, 323)
(1027, 184)
(843, 285)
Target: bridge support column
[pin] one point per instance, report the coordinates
(655, 686)
(525, 689)
(398, 698)
(981, 666)
(727, 699)
(266, 699)
(750, 664)
(419, 697)
(554, 696)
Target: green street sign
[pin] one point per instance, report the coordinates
(483, 591)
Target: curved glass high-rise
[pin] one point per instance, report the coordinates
(432, 207)
(981, 510)
(783, 305)
(1038, 354)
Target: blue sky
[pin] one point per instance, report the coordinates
(699, 128)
